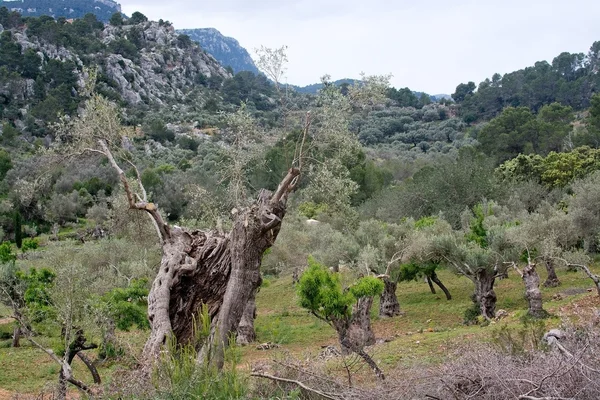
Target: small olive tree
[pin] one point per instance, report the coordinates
(344, 309)
(382, 247)
(480, 253)
(420, 256)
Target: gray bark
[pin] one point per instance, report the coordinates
(91, 367)
(552, 279)
(485, 296)
(388, 301)
(211, 268)
(430, 284)
(354, 332)
(595, 278)
(66, 372)
(532, 291)
(218, 270)
(245, 330)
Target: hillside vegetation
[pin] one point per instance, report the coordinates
(172, 230)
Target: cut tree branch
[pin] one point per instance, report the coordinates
(297, 383)
(285, 187)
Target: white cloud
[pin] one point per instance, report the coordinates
(430, 46)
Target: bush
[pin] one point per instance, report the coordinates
(29, 244)
(158, 131)
(137, 18)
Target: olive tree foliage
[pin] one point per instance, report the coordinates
(420, 257)
(382, 248)
(272, 62)
(584, 211)
(243, 140)
(447, 187)
(333, 145)
(60, 300)
(545, 235)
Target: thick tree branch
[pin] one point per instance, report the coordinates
(139, 181)
(300, 154)
(395, 258)
(90, 365)
(285, 187)
(595, 278)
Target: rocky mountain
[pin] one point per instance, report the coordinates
(103, 9)
(44, 65)
(224, 49)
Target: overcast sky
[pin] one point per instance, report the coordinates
(429, 46)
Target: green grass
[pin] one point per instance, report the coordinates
(28, 369)
(428, 331)
(429, 327)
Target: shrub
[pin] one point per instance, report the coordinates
(29, 244)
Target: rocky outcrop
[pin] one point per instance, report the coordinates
(165, 68)
(225, 50)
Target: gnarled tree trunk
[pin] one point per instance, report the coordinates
(91, 367)
(388, 301)
(532, 291)
(66, 372)
(359, 331)
(485, 296)
(552, 279)
(437, 281)
(219, 270)
(245, 330)
(354, 332)
(212, 268)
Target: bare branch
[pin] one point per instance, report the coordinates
(161, 227)
(297, 383)
(523, 397)
(595, 278)
(395, 258)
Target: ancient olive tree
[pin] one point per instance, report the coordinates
(480, 254)
(533, 295)
(215, 268)
(344, 309)
(546, 234)
(382, 247)
(219, 269)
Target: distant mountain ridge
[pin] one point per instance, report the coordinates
(226, 50)
(315, 87)
(103, 9)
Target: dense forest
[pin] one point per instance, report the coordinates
(281, 224)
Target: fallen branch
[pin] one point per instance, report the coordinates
(297, 383)
(544, 398)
